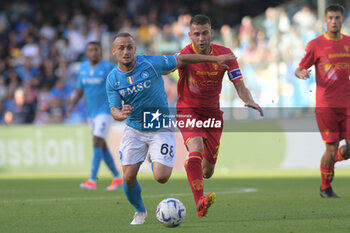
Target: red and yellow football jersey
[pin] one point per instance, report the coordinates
(332, 63)
(200, 84)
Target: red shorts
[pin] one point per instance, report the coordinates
(210, 130)
(333, 123)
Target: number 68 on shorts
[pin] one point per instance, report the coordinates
(136, 144)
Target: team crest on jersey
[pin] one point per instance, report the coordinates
(130, 79)
(215, 66)
(91, 72)
(346, 47)
(144, 74)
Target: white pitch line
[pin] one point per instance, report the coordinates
(243, 190)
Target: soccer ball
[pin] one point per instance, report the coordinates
(171, 212)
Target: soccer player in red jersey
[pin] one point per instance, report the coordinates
(198, 100)
(330, 53)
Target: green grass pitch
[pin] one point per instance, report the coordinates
(267, 202)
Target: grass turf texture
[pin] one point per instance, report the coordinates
(284, 201)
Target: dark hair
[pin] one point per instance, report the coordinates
(94, 43)
(122, 34)
(335, 8)
(200, 19)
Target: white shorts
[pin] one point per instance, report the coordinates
(136, 144)
(99, 125)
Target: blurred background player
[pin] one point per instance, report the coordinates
(92, 82)
(198, 89)
(138, 83)
(331, 57)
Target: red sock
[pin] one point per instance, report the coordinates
(195, 174)
(339, 156)
(326, 176)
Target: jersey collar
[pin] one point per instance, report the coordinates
(126, 72)
(328, 38)
(195, 51)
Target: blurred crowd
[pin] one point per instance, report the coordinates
(42, 44)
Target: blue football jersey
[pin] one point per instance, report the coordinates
(92, 80)
(141, 88)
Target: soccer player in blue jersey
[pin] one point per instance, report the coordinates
(133, 86)
(91, 82)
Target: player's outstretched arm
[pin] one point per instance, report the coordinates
(302, 73)
(76, 97)
(120, 114)
(184, 59)
(245, 95)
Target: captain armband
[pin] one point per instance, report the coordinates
(235, 75)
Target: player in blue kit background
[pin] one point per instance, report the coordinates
(135, 85)
(91, 82)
